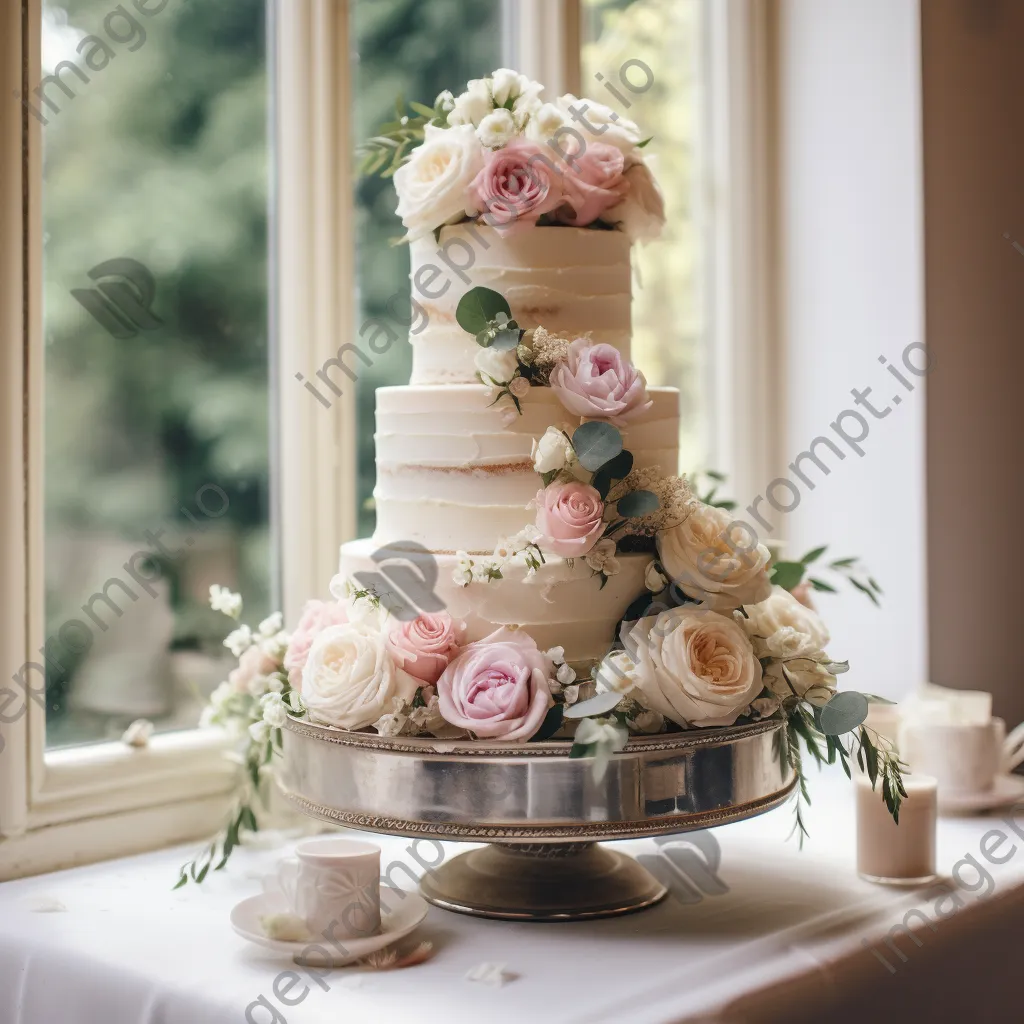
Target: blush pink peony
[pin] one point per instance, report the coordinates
(569, 517)
(593, 183)
(597, 383)
(316, 616)
(517, 185)
(251, 665)
(497, 688)
(425, 646)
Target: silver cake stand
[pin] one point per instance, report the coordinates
(541, 812)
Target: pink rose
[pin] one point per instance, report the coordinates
(316, 616)
(593, 183)
(497, 688)
(569, 518)
(517, 185)
(425, 646)
(596, 382)
(252, 664)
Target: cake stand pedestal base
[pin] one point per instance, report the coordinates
(542, 882)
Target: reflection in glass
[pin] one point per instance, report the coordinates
(156, 366)
(667, 322)
(411, 49)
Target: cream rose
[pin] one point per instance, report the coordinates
(498, 365)
(715, 560)
(788, 628)
(434, 186)
(641, 215)
(350, 678)
(803, 677)
(693, 666)
(552, 452)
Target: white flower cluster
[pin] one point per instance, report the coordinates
(564, 682)
(520, 549)
(499, 107)
(226, 601)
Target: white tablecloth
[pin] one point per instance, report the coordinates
(125, 949)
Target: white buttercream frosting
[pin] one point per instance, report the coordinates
(454, 470)
(570, 280)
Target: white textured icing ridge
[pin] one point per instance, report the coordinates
(572, 280)
(560, 605)
(454, 471)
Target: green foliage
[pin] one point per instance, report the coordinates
(637, 503)
(843, 713)
(386, 151)
(478, 308)
(596, 443)
(787, 574)
(614, 469)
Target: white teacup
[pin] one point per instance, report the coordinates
(333, 884)
(964, 758)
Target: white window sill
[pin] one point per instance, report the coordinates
(785, 941)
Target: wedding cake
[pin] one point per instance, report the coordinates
(455, 469)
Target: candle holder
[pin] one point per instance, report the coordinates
(542, 812)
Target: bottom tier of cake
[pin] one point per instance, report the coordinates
(561, 605)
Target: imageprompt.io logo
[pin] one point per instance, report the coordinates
(122, 299)
(405, 583)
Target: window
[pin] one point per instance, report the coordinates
(654, 46)
(156, 479)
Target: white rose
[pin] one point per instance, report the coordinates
(497, 129)
(617, 672)
(498, 365)
(804, 678)
(694, 666)
(609, 126)
(552, 451)
(789, 628)
(350, 678)
(641, 215)
(715, 560)
(473, 105)
(544, 122)
(433, 187)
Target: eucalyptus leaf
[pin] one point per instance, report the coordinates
(788, 574)
(505, 339)
(599, 705)
(638, 503)
(596, 443)
(478, 307)
(843, 713)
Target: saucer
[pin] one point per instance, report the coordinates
(406, 911)
(1005, 790)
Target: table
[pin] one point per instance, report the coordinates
(774, 933)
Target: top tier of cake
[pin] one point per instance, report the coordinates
(571, 280)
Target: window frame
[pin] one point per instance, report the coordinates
(81, 804)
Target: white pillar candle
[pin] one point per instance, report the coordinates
(902, 854)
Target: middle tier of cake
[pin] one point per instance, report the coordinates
(455, 469)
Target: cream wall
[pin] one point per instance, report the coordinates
(851, 289)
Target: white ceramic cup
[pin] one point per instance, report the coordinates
(333, 884)
(965, 759)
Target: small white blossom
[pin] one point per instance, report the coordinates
(138, 733)
(565, 675)
(226, 601)
(271, 624)
(259, 731)
(496, 129)
(390, 725)
(556, 654)
(654, 580)
(648, 721)
(601, 557)
(274, 713)
(258, 686)
(519, 387)
(445, 100)
(275, 645)
(238, 641)
(572, 693)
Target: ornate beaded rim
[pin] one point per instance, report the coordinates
(596, 831)
(424, 747)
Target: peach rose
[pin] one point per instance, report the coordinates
(316, 616)
(497, 688)
(596, 382)
(425, 646)
(569, 518)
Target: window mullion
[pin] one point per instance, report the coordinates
(545, 42)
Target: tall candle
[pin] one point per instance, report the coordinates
(902, 854)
